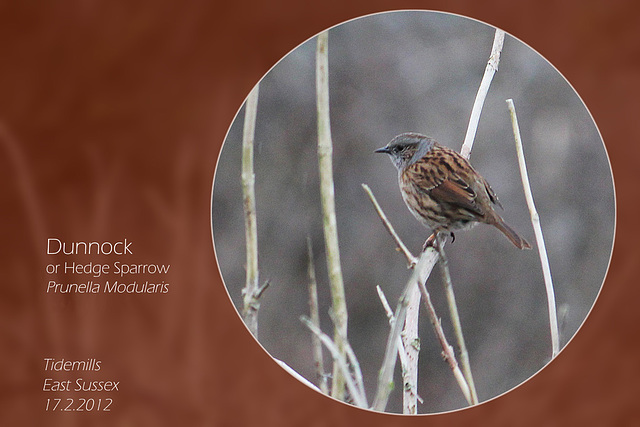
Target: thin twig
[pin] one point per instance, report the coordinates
(385, 304)
(314, 313)
(535, 221)
(296, 375)
(357, 371)
(447, 350)
(339, 361)
(391, 317)
(325, 152)
(489, 71)
(455, 318)
(411, 260)
(250, 292)
(353, 362)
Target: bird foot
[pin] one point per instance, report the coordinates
(429, 243)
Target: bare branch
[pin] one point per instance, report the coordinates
(489, 71)
(465, 151)
(353, 361)
(455, 319)
(535, 221)
(411, 346)
(321, 377)
(420, 273)
(447, 350)
(411, 260)
(385, 304)
(408, 348)
(251, 293)
(296, 375)
(325, 152)
(340, 362)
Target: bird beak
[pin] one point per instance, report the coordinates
(382, 150)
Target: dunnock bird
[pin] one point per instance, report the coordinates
(441, 189)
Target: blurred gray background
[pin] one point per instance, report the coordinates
(419, 71)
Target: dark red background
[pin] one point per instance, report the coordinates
(111, 119)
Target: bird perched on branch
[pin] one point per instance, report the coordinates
(442, 190)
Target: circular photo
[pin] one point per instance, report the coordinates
(413, 212)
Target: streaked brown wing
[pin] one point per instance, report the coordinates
(432, 176)
(457, 193)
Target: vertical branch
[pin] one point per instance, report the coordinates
(489, 71)
(411, 344)
(535, 221)
(425, 263)
(250, 291)
(465, 151)
(314, 316)
(325, 152)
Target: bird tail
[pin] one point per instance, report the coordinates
(511, 235)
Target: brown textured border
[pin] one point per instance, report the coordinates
(111, 118)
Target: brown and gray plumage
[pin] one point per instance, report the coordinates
(441, 189)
